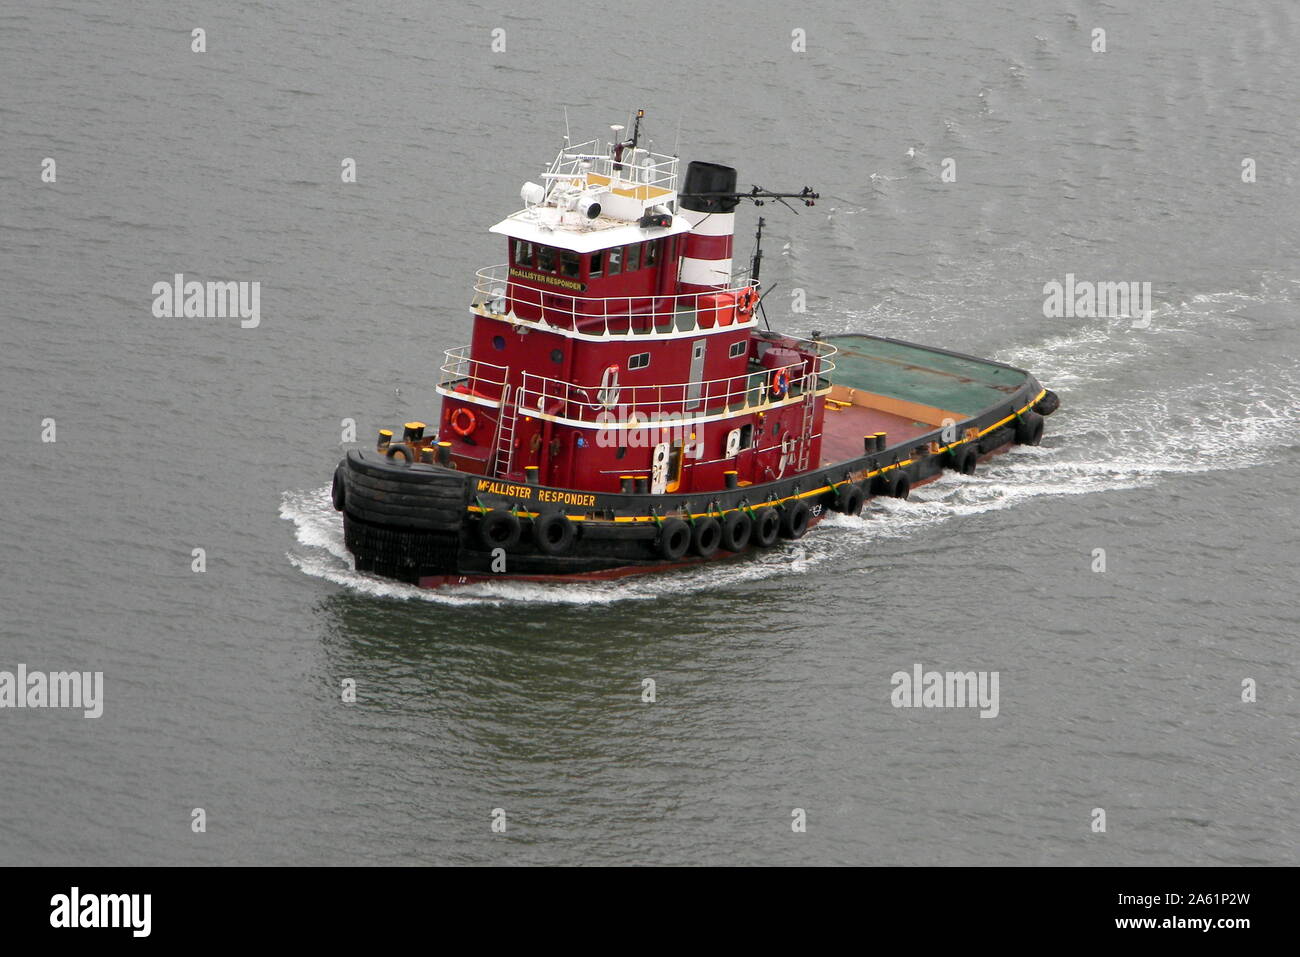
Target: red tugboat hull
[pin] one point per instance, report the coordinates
(431, 525)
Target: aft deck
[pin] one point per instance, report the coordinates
(905, 391)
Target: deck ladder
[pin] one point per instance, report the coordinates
(805, 431)
(505, 434)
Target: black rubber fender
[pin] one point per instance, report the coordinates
(706, 537)
(499, 528)
(1048, 403)
(674, 539)
(851, 499)
(554, 533)
(1029, 428)
(338, 492)
(794, 519)
(736, 531)
(767, 528)
(402, 450)
(964, 459)
(900, 486)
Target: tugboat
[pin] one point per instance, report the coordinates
(621, 409)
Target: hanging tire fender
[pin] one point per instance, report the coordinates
(795, 518)
(499, 528)
(767, 528)
(851, 499)
(706, 537)
(736, 531)
(674, 539)
(1029, 428)
(554, 533)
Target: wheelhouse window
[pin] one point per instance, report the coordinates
(523, 253)
(570, 264)
(615, 261)
(652, 252)
(638, 361)
(546, 258)
(633, 258)
(597, 267)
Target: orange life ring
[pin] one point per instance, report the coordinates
(746, 301)
(464, 421)
(780, 383)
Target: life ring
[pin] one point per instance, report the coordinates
(464, 421)
(746, 302)
(780, 383)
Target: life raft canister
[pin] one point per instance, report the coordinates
(464, 421)
(607, 396)
(780, 383)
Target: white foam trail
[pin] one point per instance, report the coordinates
(1114, 437)
(319, 531)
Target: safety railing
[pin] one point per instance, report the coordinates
(463, 376)
(497, 294)
(611, 401)
(638, 167)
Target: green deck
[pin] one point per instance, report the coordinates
(917, 374)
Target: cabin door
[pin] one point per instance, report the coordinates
(697, 373)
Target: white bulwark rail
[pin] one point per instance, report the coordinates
(588, 317)
(472, 380)
(612, 405)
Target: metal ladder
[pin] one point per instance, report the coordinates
(805, 431)
(505, 435)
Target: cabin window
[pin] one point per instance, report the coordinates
(546, 258)
(557, 356)
(597, 267)
(633, 258)
(638, 361)
(652, 253)
(737, 349)
(523, 253)
(498, 343)
(570, 264)
(615, 261)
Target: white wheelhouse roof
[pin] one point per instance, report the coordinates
(549, 227)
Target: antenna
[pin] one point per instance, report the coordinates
(758, 196)
(567, 141)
